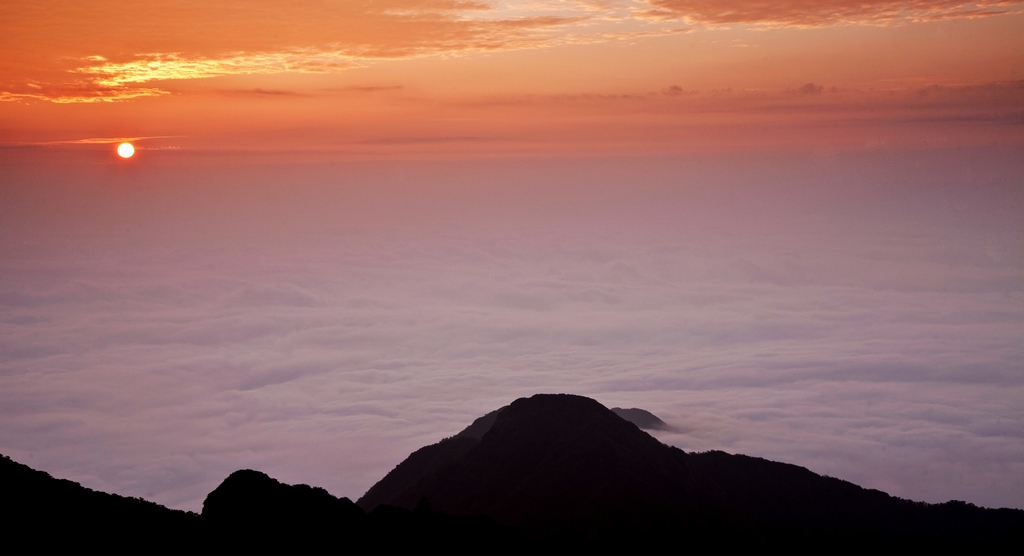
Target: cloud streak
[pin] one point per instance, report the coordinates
(94, 141)
(799, 13)
(163, 67)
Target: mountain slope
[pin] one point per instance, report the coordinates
(252, 512)
(48, 513)
(788, 501)
(566, 467)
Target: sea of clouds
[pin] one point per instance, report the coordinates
(861, 315)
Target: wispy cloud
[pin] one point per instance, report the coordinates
(107, 140)
(91, 141)
(116, 51)
(83, 94)
(800, 13)
(162, 67)
(121, 59)
(372, 88)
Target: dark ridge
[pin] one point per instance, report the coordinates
(547, 471)
(791, 502)
(415, 468)
(426, 461)
(641, 418)
(251, 512)
(251, 500)
(43, 513)
(566, 469)
(248, 513)
(390, 529)
(481, 425)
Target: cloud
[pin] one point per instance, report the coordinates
(162, 67)
(278, 294)
(798, 13)
(269, 92)
(118, 50)
(810, 115)
(810, 89)
(372, 88)
(83, 93)
(115, 47)
(857, 314)
(429, 140)
(676, 90)
(92, 141)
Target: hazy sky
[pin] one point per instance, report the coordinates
(791, 229)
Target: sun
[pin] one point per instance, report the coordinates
(125, 150)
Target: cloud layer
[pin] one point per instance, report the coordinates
(858, 315)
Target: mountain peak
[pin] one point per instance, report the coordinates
(248, 500)
(553, 464)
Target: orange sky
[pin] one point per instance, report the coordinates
(433, 76)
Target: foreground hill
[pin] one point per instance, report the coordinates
(48, 514)
(791, 502)
(566, 467)
(249, 512)
(542, 471)
(252, 512)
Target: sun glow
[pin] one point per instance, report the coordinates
(125, 150)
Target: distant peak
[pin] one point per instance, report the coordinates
(562, 402)
(641, 418)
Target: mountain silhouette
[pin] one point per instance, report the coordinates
(794, 505)
(249, 510)
(546, 471)
(252, 512)
(562, 467)
(43, 513)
